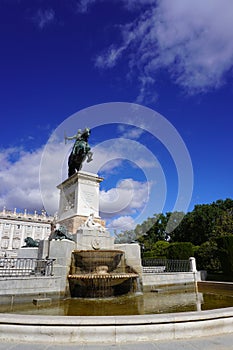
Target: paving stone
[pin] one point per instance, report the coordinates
(101, 347)
(27, 346)
(6, 346)
(177, 345)
(65, 347)
(224, 342)
(139, 346)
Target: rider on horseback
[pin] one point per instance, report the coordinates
(77, 138)
(80, 150)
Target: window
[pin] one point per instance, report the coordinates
(5, 242)
(16, 243)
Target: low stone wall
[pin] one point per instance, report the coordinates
(132, 255)
(56, 284)
(29, 285)
(114, 329)
(151, 281)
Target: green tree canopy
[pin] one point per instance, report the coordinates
(203, 223)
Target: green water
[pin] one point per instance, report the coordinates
(141, 304)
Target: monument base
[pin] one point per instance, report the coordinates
(73, 223)
(79, 197)
(89, 239)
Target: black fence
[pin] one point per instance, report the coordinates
(165, 265)
(21, 267)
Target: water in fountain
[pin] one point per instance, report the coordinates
(100, 273)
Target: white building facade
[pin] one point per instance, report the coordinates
(15, 227)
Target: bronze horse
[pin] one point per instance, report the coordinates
(80, 151)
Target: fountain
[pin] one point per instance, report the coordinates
(100, 273)
(88, 264)
(97, 268)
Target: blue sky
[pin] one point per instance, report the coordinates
(60, 57)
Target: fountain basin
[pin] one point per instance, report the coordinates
(89, 260)
(100, 274)
(102, 285)
(112, 280)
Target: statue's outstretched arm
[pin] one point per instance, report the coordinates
(70, 137)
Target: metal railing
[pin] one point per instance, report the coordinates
(165, 265)
(21, 267)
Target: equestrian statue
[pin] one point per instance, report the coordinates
(80, 152)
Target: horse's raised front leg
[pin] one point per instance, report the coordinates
(89, 157)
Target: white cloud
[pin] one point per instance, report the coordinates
(25, 183)
(130, 132)
(122, 223)
(110, 57)
(109, 155)
(29, 179)
(106, 157)
(44, 17)
(135, 4)
(128, 197)
(20, 182)
(83, 5)
(19, 179)
(192, 40)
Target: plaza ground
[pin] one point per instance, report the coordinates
(222, 342)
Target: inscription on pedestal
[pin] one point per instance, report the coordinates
(88, 200)
(79, 195)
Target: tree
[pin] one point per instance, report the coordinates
(159, 250)
(225, 252)
(173, 220)
(224, 224)
(152, 230)
(180, 251)
(199, 225)
(207, 257)
(125, 237)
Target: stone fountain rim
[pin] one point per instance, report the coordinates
(114, 329)
(104, 276)
(97, 250)
(190, 316)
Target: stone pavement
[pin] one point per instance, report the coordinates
(223, 342)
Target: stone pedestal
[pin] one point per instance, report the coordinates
(61, 252)
(79, 197)
(28, 253)
(43, 249)
(192, 262)
(89, 239)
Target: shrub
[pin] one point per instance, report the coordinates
(225, 252)
(159, 249)
(207, 257)
(180, 250)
